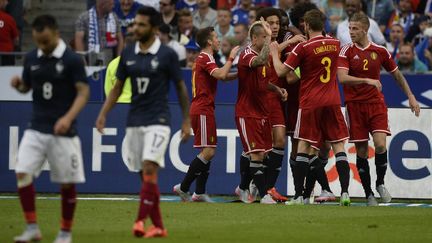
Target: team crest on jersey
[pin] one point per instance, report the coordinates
(252, 145)
(212, 139)
(59, 66)
(374, 55)
(154, 63)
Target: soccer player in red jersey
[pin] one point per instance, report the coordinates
(251, 108)
(359, 70)
(320, 116)
(204, 84)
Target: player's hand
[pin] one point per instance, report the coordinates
(100, 123)
(283, 94)
(414, 105)
(16, 81)
(297, 39)
(62, 125)
(266, 27)
(274, 48)
(374, 82)
(185, 130)
(234, 52)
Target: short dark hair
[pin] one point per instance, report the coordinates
(155, 16)
(299, 10)
(256, 26)
(315, 19)
(44, 21)
(203, 35)
(267, 12)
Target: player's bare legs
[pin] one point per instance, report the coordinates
(199, 170)
(274, 162)
(379, 140)
(343, 170)
(149, 203)
(27, 195)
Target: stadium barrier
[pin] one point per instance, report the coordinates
(409, 148)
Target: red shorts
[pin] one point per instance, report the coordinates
(255, 134)
(291, 117)
(204, 128)
(277, 114)
(321, 124)
(365, 118)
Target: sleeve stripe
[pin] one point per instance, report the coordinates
(342, 67)
(289, 66)
(250, 62)
(393, 70)
(214, 69)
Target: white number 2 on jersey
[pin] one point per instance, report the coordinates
(142, 84)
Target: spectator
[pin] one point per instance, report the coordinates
(192, 51)
(334, 10)
(405, 16)
(204, 16)
(98, 30)
(424, 22)
(424, 48)
(241, 35)
(110, 76)
(227, 44)
(425, 7)
(15, 8)
(383, 11)
(166, 39)
(263, 3)
(190, 5)
(126, 11)
(286, 5)
(186, 30)
(241, 14)
(151, 3)
(342, 33)
(252, 15)
(408, 62)
(223, 27)
(397, 36)
(169, 14)
(229, 4)
(9, 35)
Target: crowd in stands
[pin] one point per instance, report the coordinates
(403, 26)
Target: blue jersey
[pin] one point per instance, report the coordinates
(125, 20)
(150, 75)
(53, 80)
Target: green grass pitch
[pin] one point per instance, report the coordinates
(111, 221)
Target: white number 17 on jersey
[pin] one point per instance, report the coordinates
(142, 84)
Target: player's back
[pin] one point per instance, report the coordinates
(204, 85)
(317, 59)
(252, 87)
(365, 63)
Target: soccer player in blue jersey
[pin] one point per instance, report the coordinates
(151, 66)
(60, 91)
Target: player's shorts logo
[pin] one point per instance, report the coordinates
(374, 55)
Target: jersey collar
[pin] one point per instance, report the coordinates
(58, 51)
(153, 49)
(359, 47)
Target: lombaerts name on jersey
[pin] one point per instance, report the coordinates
(326, 48)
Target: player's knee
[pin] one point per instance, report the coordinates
(24, 179)
(381, 148)
(208, 153)
(279, 141)
(150, 168)
(66, 186)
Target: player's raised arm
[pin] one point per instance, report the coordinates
(223, 72)
(263, 56)
(183, 98)
(403, 84)
(279, 67)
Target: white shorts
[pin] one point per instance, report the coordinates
(147, 143)
(63, 154)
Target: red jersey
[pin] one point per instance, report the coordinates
(8, 32)
(365, 63)
(252, 89)
(317, 59)
(203, 85)
(271, 74)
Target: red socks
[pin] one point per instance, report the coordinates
(68, 197)
(27, 198)
(149, 201)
